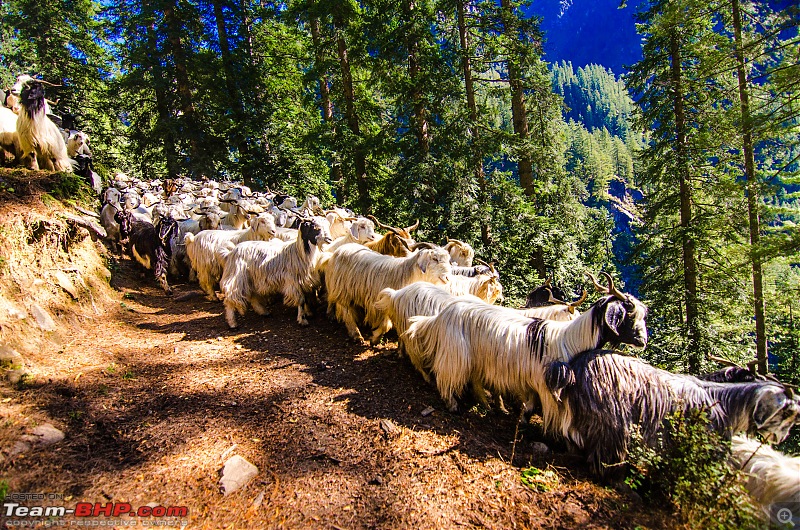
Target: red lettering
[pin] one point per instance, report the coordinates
(100, 509)
(143, 511)
(159, 511)
(83, 509)
(121, 508)
(177, 511)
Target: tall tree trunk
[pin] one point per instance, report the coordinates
(688, 242)
(518, 111)
(472, 108)
(174, 31)
(420, 118)
(235, 96)
(359, 157)
(327, 105)
(162, 105)
(752, 193)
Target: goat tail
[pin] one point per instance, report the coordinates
(384, 300)
(224, 251)
(323, 261)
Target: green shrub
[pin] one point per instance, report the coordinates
(688, 467)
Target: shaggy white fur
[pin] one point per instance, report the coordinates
(418, 298)
(355, 275)
(508, 352)
(257, 270)
(485, 286)
(204, 249)
(772, 477)
(40, 139)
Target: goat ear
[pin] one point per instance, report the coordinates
(769, 403)
(615, 314)
(423, 260)
(354, 230)
(559, 376)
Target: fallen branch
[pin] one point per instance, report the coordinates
(97, 231)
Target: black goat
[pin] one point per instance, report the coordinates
(544, 295)
(148, 244)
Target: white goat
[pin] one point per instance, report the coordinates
(78, 143)
(361, 231)
(203, 249)
(40, 140)
(257, 270)
(418, 298)
(340, 221)
(355, 275)
(237, 218)
(492, 346)
(487, 287)
(461, 253)
(772, 477)
(9, 139)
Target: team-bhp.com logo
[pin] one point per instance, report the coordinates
(118, 514)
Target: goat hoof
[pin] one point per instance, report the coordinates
(303, 322)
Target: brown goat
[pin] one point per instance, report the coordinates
(396, 242)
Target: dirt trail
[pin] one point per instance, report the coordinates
(154, 394)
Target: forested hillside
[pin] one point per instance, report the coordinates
(588, 32)
(679, 177)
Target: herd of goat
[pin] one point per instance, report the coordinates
(254, 247)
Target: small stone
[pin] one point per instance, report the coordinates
(66, 283)
(236, 473)
(47, 435)
(377, 481)
(219, 338)
(9, 355)
(259, 500)
(15, 376)
(388, 427)
(19, 447)
(539, 447)
(42, 317)
(18, 314)
(428, 411)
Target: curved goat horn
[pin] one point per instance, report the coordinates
(412, 227)
(611, 289)
(572, 305)
(380, 224)
(48, 83)
(547, 282)
(723, 361)
(553, 300)
(599, 288)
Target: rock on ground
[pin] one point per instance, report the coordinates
(236, 473)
